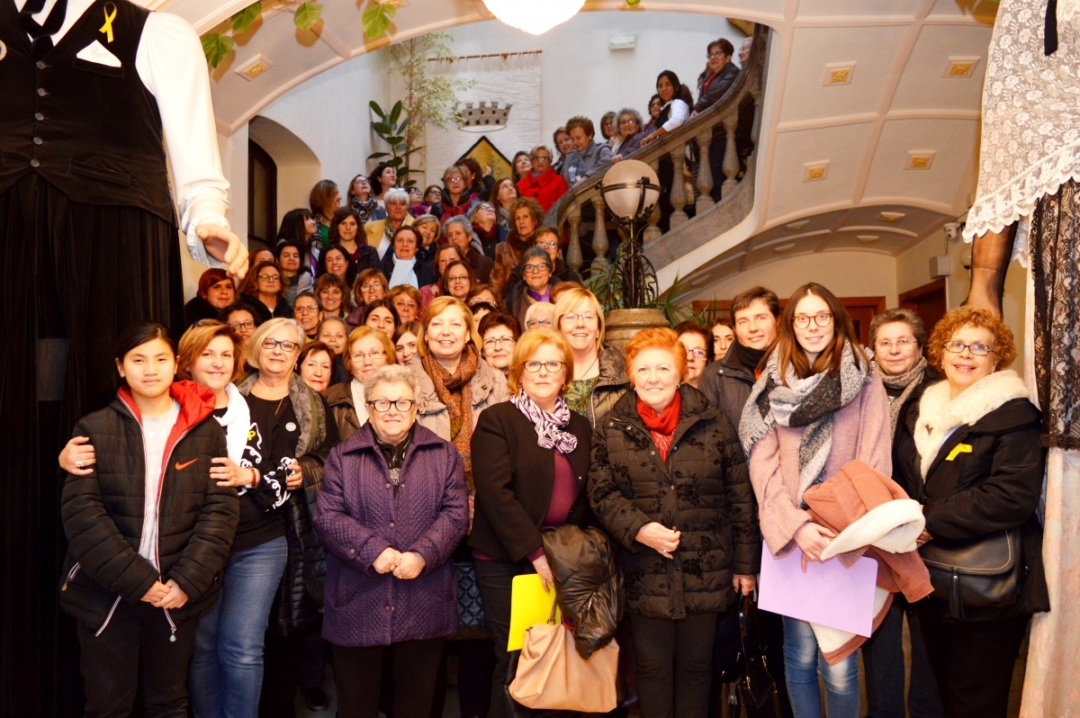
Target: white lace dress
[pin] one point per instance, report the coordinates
(1030, 117)
(1030, 147)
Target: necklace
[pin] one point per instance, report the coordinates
(591, 365)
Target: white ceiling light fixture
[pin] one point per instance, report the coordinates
(534, 16)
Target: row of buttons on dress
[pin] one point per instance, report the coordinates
(39, 116)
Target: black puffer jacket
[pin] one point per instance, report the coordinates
(703, 490)
(726, 383)
(103, 512)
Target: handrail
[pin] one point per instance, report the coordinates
(699, 130)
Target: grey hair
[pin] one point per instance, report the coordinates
(392, 374)
(534, 308)
(266, 329)
(311, 295)
(466, 224)
(396, 194)
(631, 111)
(537, 253)
(899, 314)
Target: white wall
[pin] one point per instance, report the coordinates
(330, 114)
(846, 274)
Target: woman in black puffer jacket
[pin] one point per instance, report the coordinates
(670, 485)
(138, 571)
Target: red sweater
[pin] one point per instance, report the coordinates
(545, 189)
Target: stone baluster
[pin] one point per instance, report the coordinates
(755, 92)
(573, 249)
(731, 154)
(704, 178)
(678, 188)
(652, 232)
(600, 242)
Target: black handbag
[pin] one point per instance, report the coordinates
(982, 572)
(755, 693)
(471, 625)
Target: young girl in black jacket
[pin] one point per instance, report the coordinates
(148, 531)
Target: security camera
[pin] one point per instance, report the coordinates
(952, 230)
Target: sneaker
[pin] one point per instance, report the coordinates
(315, 699)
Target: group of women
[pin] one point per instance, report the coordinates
(450, 440)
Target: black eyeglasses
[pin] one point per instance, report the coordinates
(802, 321)
(286, 346)
(383, 405)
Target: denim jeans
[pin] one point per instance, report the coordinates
(803, 661)
(227, 669)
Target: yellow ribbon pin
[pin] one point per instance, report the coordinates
(957, 450)
(109, 17)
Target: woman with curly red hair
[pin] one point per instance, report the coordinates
(969, 452)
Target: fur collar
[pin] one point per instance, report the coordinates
(938, 414)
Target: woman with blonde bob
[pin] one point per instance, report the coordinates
(969, 452)
(367, 351)
(599, 378)
(455, 383)
(680, 507)
(536, 459)
(817, 406)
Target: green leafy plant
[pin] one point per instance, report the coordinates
(606, 283)
(307, 15)
(391, 127)
(241, 21)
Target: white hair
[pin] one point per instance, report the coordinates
(538, 307)
(392, 374)
(266, 329)
(396, 194)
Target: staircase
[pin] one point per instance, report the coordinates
(710, 219)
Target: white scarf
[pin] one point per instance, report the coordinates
(235, 422)
(403, 273)
(359, 403)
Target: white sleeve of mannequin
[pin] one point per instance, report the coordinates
(171, 64)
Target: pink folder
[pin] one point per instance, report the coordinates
(828, 593)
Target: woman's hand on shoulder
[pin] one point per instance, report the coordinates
(77, 456)
(813, 539)
(659, 538)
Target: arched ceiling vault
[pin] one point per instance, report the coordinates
(869, 107)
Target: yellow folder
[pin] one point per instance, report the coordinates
(529, 604)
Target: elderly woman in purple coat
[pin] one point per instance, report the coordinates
(391, 510)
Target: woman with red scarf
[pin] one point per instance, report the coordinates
(670, 486)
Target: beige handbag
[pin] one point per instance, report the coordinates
(552, 676)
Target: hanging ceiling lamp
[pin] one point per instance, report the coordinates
(534, 16)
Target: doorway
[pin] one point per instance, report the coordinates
(928, 301)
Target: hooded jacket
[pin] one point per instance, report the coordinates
(703, 489)
(102, 512)
(984, 477)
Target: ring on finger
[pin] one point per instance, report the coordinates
(78, 464)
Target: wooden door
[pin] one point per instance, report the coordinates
(928, 301)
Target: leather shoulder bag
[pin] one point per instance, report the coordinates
(983, 572)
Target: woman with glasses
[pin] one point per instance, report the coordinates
(719, 75)
(362, 200)
(541, 182)
(599, 378)
(368, 351)
(391, 511)
(535, 285)
(668, 482)
(897, 337)
(548, 238)
(457, 198)
(433, 199)
(406, 301)
(294, 417)
(817, 406)
(457, 280)
(536, 461)
(540, 315)
(371, 285)
(265, 292)
(498, 334)
(698, 351)
(630, 133)
(969, 452)
(308, 313)
(241, 319)
(485, 225)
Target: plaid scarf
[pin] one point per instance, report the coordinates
(810, 402)
(455, 391)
